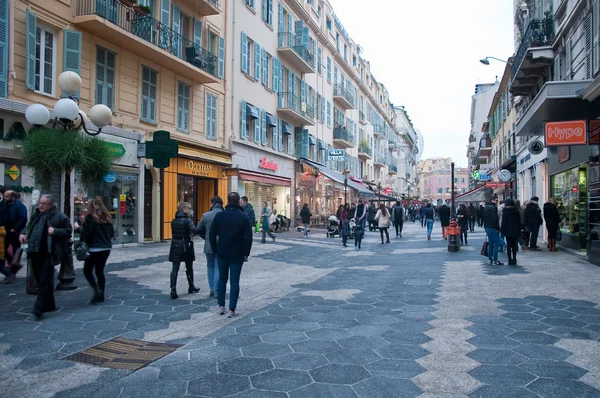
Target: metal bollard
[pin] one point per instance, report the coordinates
(453, 236)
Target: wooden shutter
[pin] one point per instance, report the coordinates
(264, 127)
(244, 57)
(165, 19)
(221, 59)
(265, 77)
(275, 134)
(31, 49)
(290, 144)
(256, 61)
(280, 134)
(176, 39)
(3, 48)
(72, 52)
(243, 121)
(265, 10)
(257, 128)
(198, 32)
(319, 59)
(105, 77)
(290, 93)
(275, 75)
(596, 37)
(281, 23)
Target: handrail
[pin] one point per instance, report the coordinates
(289, 40)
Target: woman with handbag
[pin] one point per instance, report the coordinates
(383, 222)
(96, 233)
(182, 248)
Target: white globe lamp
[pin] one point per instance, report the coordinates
(37, 115)
(80, 120)
(66, 110)
(69, 82)
(100, 115)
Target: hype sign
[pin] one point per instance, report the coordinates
(566, 133)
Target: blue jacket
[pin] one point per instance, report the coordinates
(17, 214)
(230, 234)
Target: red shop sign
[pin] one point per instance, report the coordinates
(265, 164)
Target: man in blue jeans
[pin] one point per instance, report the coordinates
(230, 238)
(491, 222)
(216, 206)
(428, 216)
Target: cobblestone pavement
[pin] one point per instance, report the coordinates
(406, 319)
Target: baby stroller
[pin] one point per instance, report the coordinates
(352, 228)
(333, 227)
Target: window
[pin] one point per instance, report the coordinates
(183, 106)
(354, 60)
(462, 180)
(268, 12)
(266, 63)
(45, 54)
(211, 116)
(319, 59)
(149, 83)
(251, 57)
(105, 77)
(328, 70)
(328, 24)
(439, 180)
(337, 42)
(345, 52)
(328, 113)
(456, 180)
(212, 43)
(250, 3)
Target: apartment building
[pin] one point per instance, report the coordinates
(309, 123)
(437, 184)
(158, 65)
(407, 178)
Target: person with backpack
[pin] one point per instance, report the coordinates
(428, 217)
(398, 218)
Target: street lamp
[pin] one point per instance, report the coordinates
(346, 172)
(486, 60)
(67, 114)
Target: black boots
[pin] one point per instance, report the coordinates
(98, 296)
(190, 279)
(173, 285)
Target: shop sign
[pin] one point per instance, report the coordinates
(536, 147)
(13, 172)
(566, 133)
(336, 154)
(115, 149)
(111, 176)
(564, 153)
(265, 164)
(127, 177)
(198, 168)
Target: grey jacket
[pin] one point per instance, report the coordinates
(204, 225)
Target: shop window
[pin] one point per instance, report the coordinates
(186, 189)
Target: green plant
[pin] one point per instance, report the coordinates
(147, 9)
(364, 143)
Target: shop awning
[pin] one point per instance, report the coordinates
(285, 128)
(557, 101)
(271, 120)
(252, 111)
(264, 179)
(477, 195)
(312, 140)
(335, 176)
(322, 145)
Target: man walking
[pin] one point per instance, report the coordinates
(533, 222)
(249, 210)
(398, 217)
(216, 205)
(491, 222)
(371, 212)
(15, 221)
(230, 238)
(428, 216)
(47, 237)
(472, 217)
(360, 214)
(444, 214)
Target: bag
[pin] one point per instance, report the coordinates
(558, 235)
(484, 249)
(82, 251)
(16, 259)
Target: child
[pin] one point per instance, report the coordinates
(358, 235)
(345, 232)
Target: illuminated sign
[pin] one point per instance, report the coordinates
(268, 165)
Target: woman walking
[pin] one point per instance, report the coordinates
(511, 229)
(464, 220)
(265, 216)
(182, 248)
(305, 215)
(383, 222)
(552, 219)
(97, 232)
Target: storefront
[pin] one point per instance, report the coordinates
(194, 177)
(121, 189)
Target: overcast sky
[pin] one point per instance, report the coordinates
(427, 55)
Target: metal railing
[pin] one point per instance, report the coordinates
(151, 30)
(214, 3)
(341, 91)
(539, 33)
(365, 149)
(361, 116)
(392, 164)
(290, 101)
(289, 40)
(341, 133)
(378, 158)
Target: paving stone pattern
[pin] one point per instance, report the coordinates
(406, 319)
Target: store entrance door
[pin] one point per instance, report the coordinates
(206, 188)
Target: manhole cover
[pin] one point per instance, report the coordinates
(121, 353)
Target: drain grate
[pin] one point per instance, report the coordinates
(121, 353)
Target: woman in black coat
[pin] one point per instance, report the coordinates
(511, 229)
(305, 215)
(182, 248)
(463, 222)
(552, 219)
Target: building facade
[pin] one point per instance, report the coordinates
(437, 184)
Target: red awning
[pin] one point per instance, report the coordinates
(264, 179)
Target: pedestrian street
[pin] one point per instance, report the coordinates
(404, 319)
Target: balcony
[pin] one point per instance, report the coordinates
(342, 138)
(379, 159)
(295, 110)
(379, 131)
(484, 151)
(343, 97)
(361, 118)
(147, 38)
(291, 49)
(392, 165)
(534, 55)
(202, 8)
(365, 152)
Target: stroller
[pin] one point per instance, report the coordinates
(352, 229)
(333, 227)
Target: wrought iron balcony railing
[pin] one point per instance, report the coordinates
(341, 91)
(365, 149)
(290, 101)
(151, 30)
(341, 133)
(539, 33)
(289, 40)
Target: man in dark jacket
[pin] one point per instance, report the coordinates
(248, 209)
(398, 218)
(15, 221)
(360, 215)
(480, 216)
(230, 239)
(491, 222)
(216, 205)
(371, 212)
(444, 214)
(472, 217)
(47, 236)
(533, 221)
(9, 277)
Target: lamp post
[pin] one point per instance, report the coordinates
(453, 234)
(68, 117)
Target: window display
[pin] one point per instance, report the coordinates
(570, 191)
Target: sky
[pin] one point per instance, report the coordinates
(427, 54)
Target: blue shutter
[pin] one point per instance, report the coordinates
(198, 32)
(221, 60)
(314, 53)
(244, 57)
(301, 148)
(328, 113)
(165, 19)
(298, 25)
(275, 134)
(290, 93)
(243, 121)
(264, 127)
(314, 104)
(319, 59)
(290, 144)
(186, 107)
(281, 26)
(31, 49)
(270, 16)
(335, 75)
(265, 77)
(294, 91)
(256, 61)
(265, 10)
(176, 50)
(275, 75)
(328, 69)
(305, 37)
(280, 134)
(322, 109)
(3, 48)
(179, 105)
(257, 128)
(211, 116)
(105, 77)
(149, 83)
(303, 90)
(72, 52)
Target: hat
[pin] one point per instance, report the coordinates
(535, 199)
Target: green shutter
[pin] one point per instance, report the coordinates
(31, 50)
(221, 60)
(3, 48)
(72, 52)
(244, 57)
(243, 121)
(256, 61)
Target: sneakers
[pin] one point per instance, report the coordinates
(428, 237)
(10, 279)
